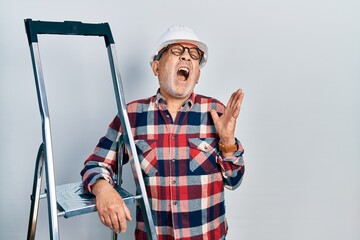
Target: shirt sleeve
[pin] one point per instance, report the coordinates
(232, 167)
(102, 162)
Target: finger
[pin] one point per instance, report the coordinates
(122, 222)
(115, 223)
(102, 219)
(214, 115)
(238, 105)
(107, 222)
(237, 96)
(230, 101)
(234, 98)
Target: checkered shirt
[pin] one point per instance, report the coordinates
(184, 172)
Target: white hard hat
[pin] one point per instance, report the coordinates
(180, 33)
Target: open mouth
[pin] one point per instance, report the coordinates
(183, 73)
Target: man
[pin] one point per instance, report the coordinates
(186, 146)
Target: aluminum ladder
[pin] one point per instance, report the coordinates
(70, 200)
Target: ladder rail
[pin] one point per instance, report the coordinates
(120, 158)
(47, 141)
(129, 142)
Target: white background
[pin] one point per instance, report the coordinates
(297, 61)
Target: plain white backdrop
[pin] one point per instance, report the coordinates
(298, 63)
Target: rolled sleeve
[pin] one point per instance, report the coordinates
(102, 163)
(232, 167)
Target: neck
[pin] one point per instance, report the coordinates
(173, 103)
(174, 106)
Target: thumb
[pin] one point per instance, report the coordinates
(214, 115)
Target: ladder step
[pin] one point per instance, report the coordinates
(73, 201)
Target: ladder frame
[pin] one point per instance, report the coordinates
(45, 160)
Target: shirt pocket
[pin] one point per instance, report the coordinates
(146, 150)
(203, 154)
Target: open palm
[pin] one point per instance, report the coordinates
(226, 123)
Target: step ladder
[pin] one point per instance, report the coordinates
(70, 200)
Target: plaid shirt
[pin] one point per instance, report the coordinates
(184, 172)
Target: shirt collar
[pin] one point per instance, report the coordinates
(159, 99)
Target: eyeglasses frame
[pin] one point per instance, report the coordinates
(162, 51)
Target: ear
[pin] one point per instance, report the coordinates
(155, 68)
(198, 77)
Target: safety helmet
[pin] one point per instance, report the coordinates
(180, 33)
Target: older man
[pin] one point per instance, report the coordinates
(186, 144)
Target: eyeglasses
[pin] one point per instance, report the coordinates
(178, 50)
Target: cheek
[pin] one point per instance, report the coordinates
(167, 70)
(197, 75)
(163, 66)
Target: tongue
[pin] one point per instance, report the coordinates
(181, 76)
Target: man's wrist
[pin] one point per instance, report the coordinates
(99, 185)
(227, 140)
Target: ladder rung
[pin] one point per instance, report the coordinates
(73, 201)
(42, 196)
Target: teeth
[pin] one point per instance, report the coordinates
(184, 69)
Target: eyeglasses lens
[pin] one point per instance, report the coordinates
(178, 50)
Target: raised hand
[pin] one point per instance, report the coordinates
(226, 123)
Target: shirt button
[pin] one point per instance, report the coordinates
(174, 203)
(173, 160)
(167, 115)
(173, 137)
(173, 181)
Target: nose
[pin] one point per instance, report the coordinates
(185, 56)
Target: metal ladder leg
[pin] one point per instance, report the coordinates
(51, 191)
(47, 144)
(35, 196)
(120, 158)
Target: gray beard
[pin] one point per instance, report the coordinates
(170, 88)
